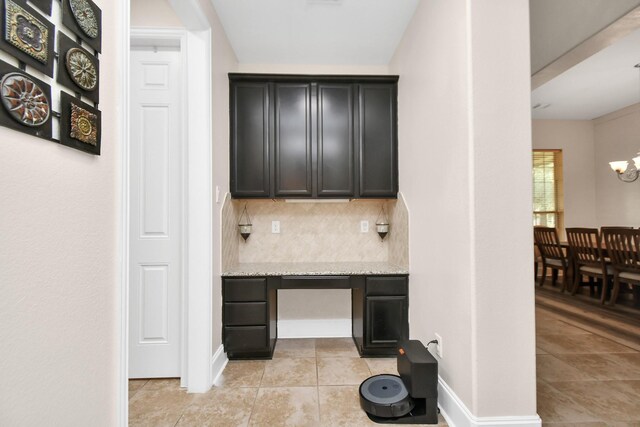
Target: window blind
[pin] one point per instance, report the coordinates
(546, 168)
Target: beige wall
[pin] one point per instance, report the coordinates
(576, 139)
(616, 137)
(460, 116)
(153, 13)
(59, 301)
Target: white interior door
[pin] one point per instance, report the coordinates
(156, 214)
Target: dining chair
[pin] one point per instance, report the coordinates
(588, 259)
(623, 246)
(553, 256)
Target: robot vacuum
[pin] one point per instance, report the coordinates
(385, 396)
(412, 397)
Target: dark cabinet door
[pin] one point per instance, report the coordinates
(377, 140)
(335, 155)
(293, 140)
(387, 321)
(249, 140)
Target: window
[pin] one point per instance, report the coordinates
(548, 194)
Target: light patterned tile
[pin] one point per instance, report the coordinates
(336, 347)
(340, 407)
(220, 407)
(299, 347)
(379, 366)
(286, 406)
(342, 371)
(290, 372)
(242, 373)
(158, 408)
(162, 384)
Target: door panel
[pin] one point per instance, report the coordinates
(293, 139)
(156, 215)
(378, 141)
(250, 175)
(335, 140)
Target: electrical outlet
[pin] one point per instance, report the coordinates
(439, 346)
(364, 226)
(275, 227)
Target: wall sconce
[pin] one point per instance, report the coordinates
(382, 224)
(244, 224)
(626, 171)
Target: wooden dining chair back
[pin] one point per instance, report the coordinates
(623, 247)
(553, 256)
(588, 259)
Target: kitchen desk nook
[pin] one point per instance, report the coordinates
(379, 303)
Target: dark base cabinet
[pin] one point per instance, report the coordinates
(379, 309)
(249, 316)
(379, 312)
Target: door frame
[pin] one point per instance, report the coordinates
(195, 42)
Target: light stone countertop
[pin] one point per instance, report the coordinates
(314, 269)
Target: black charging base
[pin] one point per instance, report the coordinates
(425, 412)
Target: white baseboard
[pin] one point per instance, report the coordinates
(314, 328)
(218, 362)
(456, 413)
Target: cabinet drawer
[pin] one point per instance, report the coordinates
(245, 313)
(386, 286)
(245, 338)
(315, 282)
(245, 289)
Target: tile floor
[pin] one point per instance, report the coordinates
(584, 379)
(309, 382)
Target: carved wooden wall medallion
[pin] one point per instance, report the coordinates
(27, 35)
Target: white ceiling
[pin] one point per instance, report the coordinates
(345, 32)
(603, 83)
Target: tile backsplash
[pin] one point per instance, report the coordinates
(314, 232)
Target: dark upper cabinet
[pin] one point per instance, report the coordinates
(313, 136)
(292, 142)
(335, 153)
(377, 140)
(250, 155)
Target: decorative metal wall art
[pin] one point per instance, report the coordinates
(84, 18)
(79, 125)
(78, 69)
(27, 35)
(26, 102)
(43, 5)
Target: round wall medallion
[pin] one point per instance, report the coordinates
(84, 16)
(25, 101)
(81, 69)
